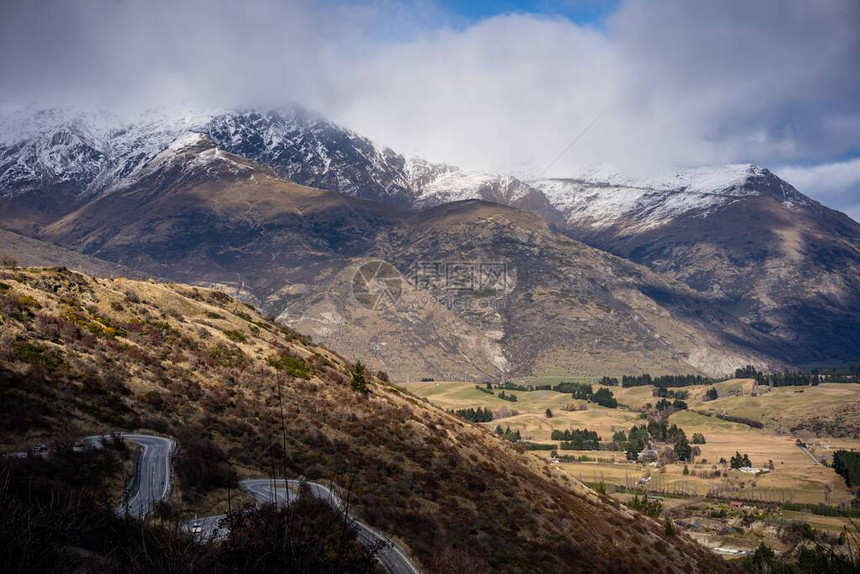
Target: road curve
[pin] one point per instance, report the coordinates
(283, 492)
(154, 475)
(153, 483)
(153, 480)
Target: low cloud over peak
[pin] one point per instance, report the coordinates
(678, 83)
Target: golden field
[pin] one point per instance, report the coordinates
(796, 476)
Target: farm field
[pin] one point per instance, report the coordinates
(795, 477)
(790, 405)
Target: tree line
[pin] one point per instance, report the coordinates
(782, 379)
(577, 439)
(585, 392)
(478, 415)
(847, 465)
(659, 381)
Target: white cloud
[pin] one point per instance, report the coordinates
(684, 83)
(833, 184)
(773, 82)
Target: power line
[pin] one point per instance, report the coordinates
(570, 145)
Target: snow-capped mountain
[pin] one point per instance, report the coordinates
(468, 184)
(748, 241)
(761, 250)
(600, 198)
(80, 154)
(305, 147)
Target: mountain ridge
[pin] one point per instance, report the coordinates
(686, 226)
(213, 218)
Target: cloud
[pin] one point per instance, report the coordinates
(684, 83)
(773, 82)
(834, 184)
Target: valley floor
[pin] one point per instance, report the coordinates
(800, 477)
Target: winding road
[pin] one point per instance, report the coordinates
(153, 483)
(284, 492)
(153, 475)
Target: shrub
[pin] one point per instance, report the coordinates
(647, 506)
(8, 261)
(235, 336)
(228, 356)
(478, 415)
(33, 354)
(153, 399)
(669, 527)
(293, 366)
(309, 536)
(202, 466)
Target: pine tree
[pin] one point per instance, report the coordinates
(358, 383)
(740, 460)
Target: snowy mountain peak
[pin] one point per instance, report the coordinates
(80, 153)
(599, 197)
(76, 154)
(469, 184)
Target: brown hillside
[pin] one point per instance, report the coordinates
(84, 355)
(200, 215)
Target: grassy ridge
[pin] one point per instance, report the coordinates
(81, 355)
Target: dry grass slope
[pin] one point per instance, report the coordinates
(84, 355)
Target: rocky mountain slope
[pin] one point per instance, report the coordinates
(200, 215)
(772, 257)
(751, 245)
(782, 263)
(19, 250)
(82, 355)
